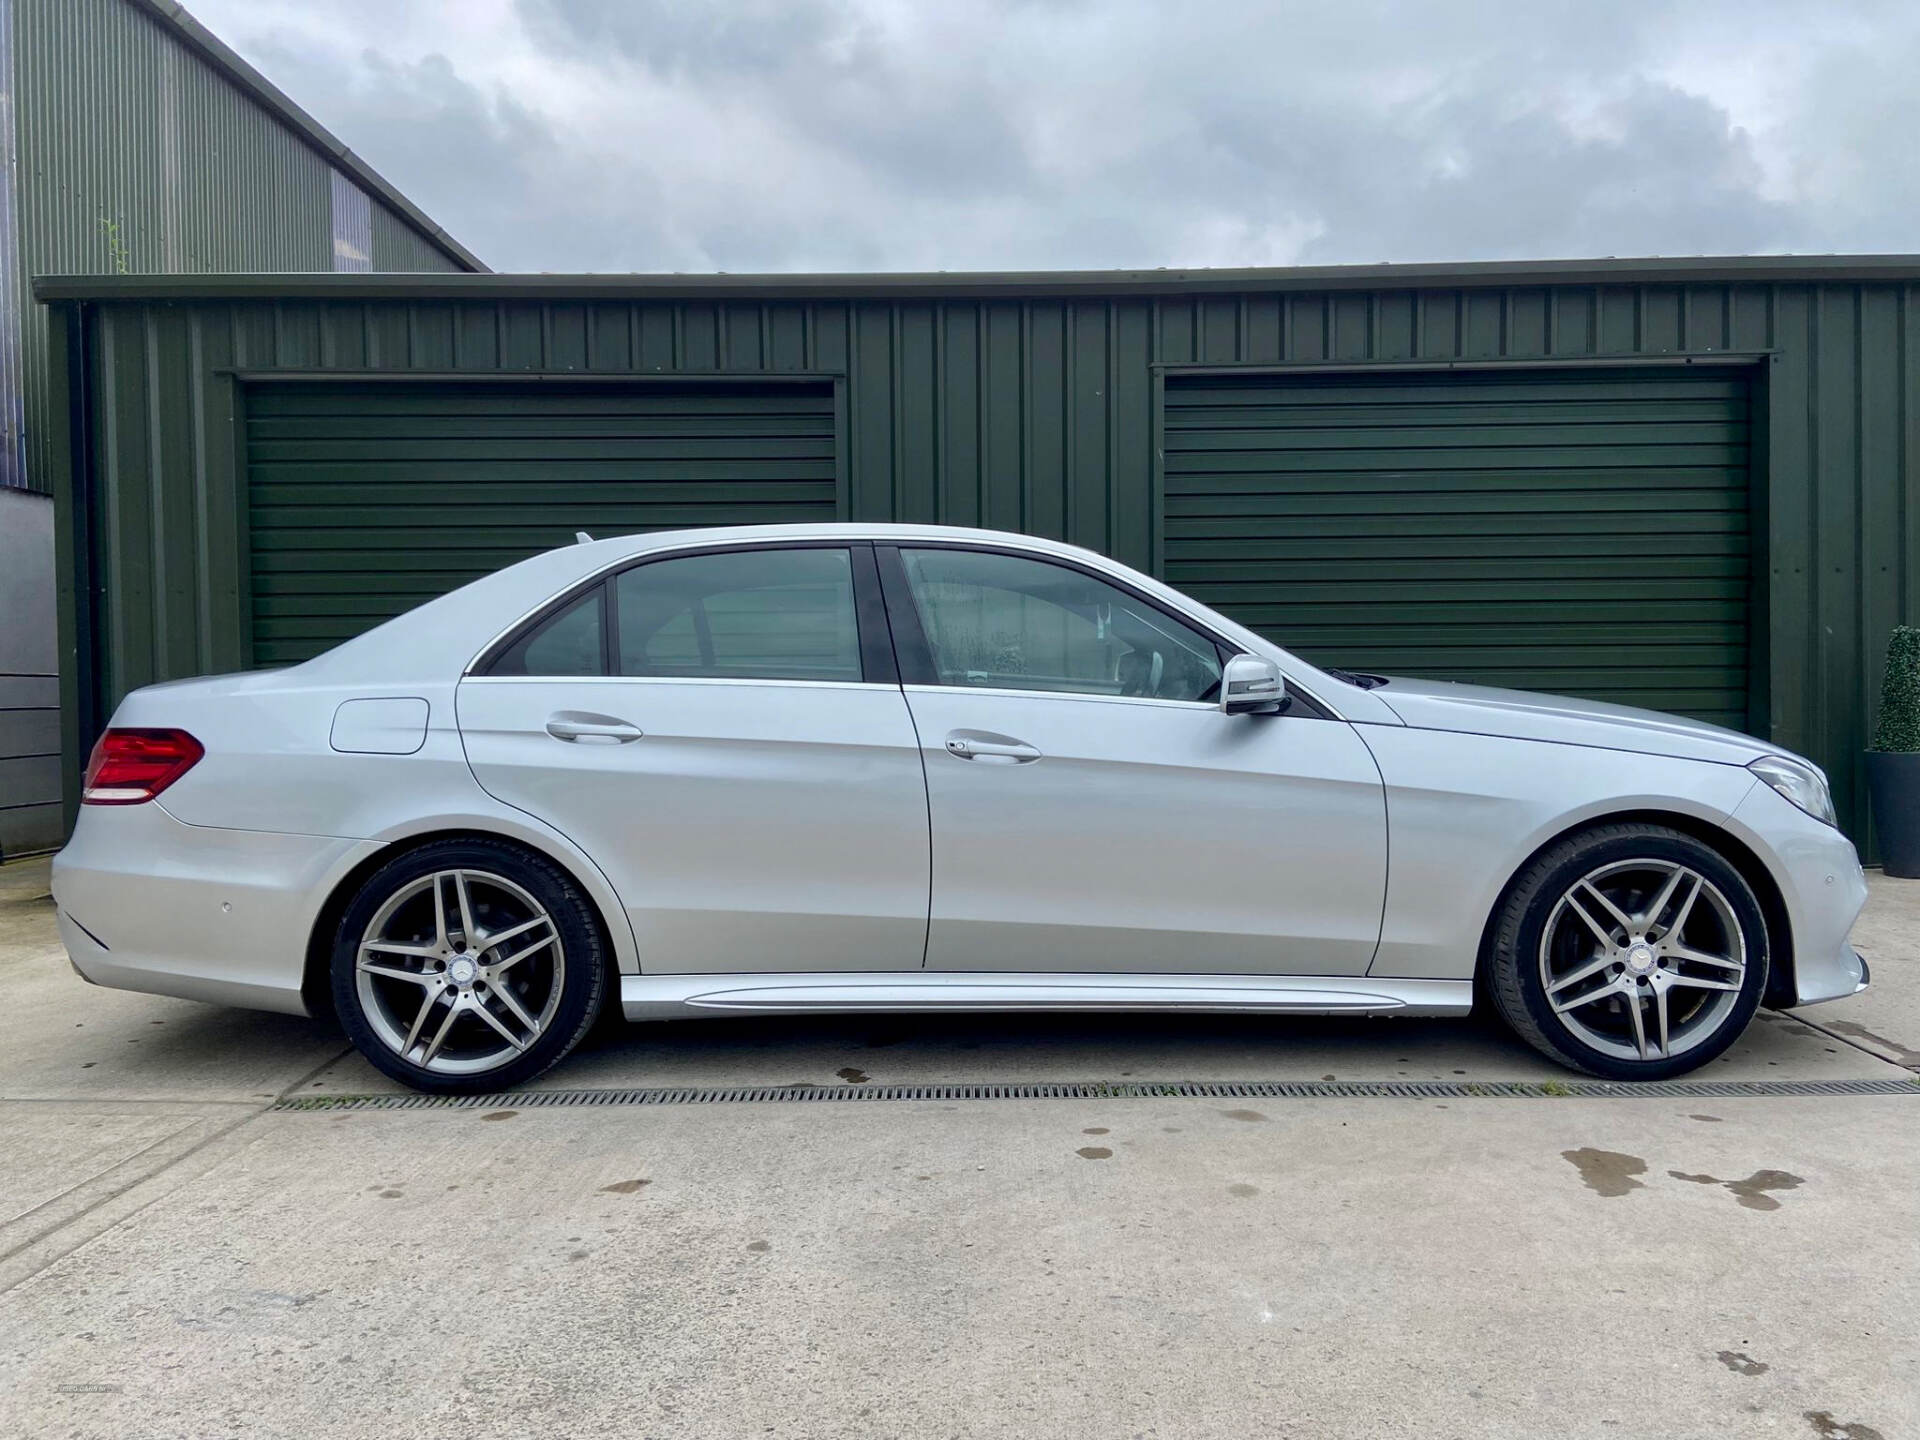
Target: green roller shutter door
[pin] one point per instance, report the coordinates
(364, 500)
(1581, 532)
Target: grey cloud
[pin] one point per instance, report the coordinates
(1858, 165)
(837, 134)
(1673, 177)
(742, 37)
(820, 66)
(487, 167)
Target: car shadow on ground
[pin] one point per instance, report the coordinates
(859, 1050)
(1041, 1034)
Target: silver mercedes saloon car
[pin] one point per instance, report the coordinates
(794, 769)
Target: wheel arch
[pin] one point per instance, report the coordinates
(1736, 852)
(316, 989)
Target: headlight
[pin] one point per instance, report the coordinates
(1800, 782)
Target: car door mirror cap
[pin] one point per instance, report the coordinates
(1252, 685)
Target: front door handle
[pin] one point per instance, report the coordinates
(984, 745)
(582, 726)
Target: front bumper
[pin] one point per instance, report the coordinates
(1824, 888)
(145, 902)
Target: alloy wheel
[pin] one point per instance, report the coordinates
(1643, 959)
(460, 971)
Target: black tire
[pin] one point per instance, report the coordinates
(574, 974)
(1517, 970)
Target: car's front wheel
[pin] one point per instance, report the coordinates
(1633, 952)
(467, 966)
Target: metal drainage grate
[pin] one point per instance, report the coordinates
(1117, 1090)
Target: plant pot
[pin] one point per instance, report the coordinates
(1893, 780)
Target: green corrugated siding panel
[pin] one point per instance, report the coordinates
(135, 155)
(398, 246)
(1039, 416)
(1583, 532)
(351, 488)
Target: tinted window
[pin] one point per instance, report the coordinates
(569, 643)
(753, 615)
(1010, 623)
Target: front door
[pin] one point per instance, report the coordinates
(723, 733)
(1094, 810)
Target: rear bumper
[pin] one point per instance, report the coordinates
(145, 902)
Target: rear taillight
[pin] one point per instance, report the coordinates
(130, 767)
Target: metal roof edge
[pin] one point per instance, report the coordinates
(223, 57)
(1735, 269)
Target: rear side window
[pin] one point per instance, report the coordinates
(747, 615)
(572, 642)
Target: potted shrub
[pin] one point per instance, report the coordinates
(1893, 764)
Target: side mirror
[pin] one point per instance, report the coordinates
(1251, 685)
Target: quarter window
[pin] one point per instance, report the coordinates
(572, 642)
(1012, 623)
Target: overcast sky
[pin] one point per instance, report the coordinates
(594, 135)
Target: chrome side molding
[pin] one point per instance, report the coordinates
(668, 997)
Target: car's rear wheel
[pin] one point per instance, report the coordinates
(467, 966)
(1633, 952)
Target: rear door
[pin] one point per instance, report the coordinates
(1093, 808)
(723, 732)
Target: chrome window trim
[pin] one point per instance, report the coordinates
(1180, 604)
(1084, 695)
(554, 603)
(786, 683)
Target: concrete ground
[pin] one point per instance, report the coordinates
(178, 1259)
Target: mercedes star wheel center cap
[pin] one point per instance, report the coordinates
(462, 970)
(1640, 959)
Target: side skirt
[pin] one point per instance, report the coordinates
(669, 997)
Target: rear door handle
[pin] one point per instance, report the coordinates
(582, 726)
(983, 745)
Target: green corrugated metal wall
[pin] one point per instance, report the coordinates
(1043, 415)
(1583, 532)
(398, 246)
(349, 485)
(133, 154)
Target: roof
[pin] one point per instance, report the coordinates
(270, 97)
(1752, 269)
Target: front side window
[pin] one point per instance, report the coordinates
(749, 615)
(1011, 623)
